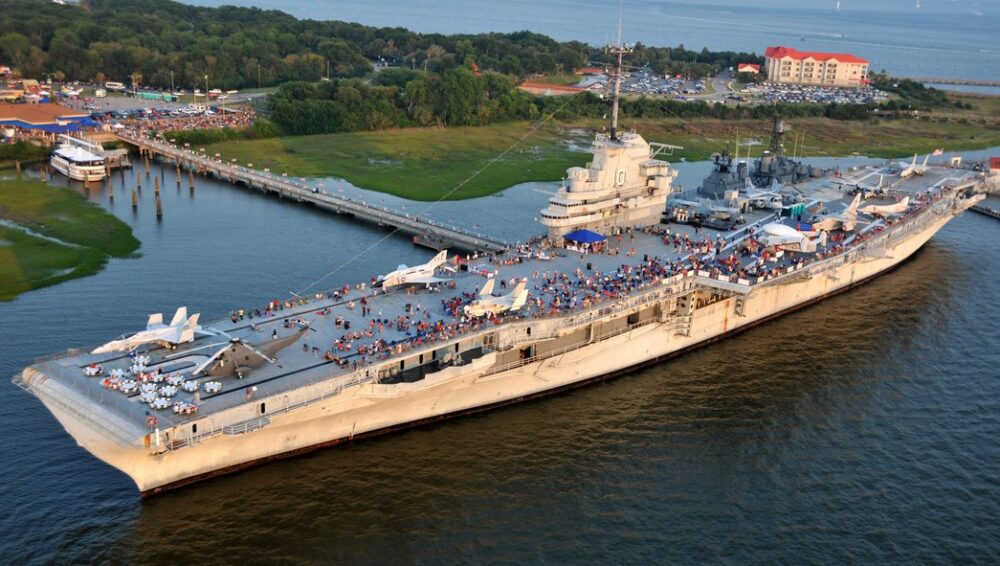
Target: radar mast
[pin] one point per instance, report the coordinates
(618, 50)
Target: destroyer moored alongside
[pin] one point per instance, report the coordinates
(642, 291)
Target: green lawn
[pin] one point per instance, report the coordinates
(419, 163)
(429, 163)
(89, 235)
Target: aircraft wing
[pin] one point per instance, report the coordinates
(424, 280)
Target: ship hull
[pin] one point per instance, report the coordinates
(75, 172)
(371, 409)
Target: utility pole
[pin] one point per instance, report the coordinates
(258, 75)
(171, 83)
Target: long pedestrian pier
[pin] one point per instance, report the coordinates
(425, 232)
(954, 81)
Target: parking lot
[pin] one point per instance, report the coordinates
(813, 94)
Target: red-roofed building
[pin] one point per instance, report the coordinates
(994, 165)
(787, 65)
(748, 68)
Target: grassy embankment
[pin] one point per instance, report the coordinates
(86, 235)
(25, 152)
(427, 163)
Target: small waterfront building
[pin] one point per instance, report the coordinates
(791, 66)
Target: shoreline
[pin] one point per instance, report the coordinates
(51, 234)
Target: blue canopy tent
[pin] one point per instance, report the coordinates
(585, 237)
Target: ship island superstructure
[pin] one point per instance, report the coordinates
(623, 186)
(201, 399)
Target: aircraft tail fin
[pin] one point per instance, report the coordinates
(187, 333)
(440, 258)
(179, 316)
(488, 287)
(154, 321)
(924, 164)
(520, 295)
(853, 209)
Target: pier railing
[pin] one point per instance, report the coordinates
(342, 204)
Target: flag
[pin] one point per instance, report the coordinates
(938, 152)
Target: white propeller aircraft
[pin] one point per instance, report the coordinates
(912, 168)
(417, 275)
(181, 329)
(487, 304)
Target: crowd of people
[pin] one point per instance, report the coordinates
(237, 119)
(555, 292)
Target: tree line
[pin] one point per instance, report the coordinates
(400, 98)
(162, 43)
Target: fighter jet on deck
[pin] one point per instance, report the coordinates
(886, 209)
(416, 275)
(912, 168)
(845, 221)
(181, 329)
(487, 304)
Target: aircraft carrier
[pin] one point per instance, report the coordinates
(630, 272)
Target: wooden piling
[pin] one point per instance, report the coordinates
(135, 200)
(156, 185)
(159, 207)
(138, 182)
(191, 179)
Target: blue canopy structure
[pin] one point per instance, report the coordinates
(585, 237)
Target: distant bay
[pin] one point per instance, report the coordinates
(955, 39)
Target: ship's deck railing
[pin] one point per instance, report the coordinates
(327, 388)
(21, 381)
(246, 426)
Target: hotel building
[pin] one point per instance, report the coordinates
(790, 66)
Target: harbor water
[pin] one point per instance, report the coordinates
(861, 429)
(954, 38)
